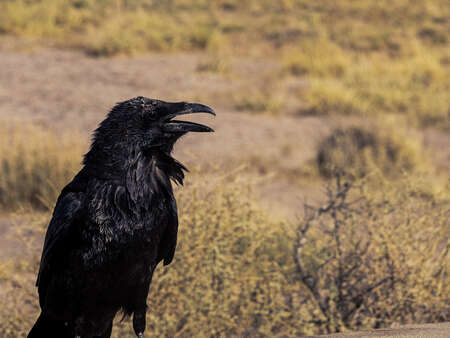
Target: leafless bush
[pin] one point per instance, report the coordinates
(371, 260)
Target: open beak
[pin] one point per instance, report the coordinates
(176, 126)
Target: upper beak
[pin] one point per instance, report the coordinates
(175, 126)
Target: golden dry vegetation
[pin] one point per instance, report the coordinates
(366, 58)
(345, 102)
(370, 256)
(367, 258)
(35, 165)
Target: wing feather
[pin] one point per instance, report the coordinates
(69, 208)
(169, 239)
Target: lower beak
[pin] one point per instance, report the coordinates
(175, 126)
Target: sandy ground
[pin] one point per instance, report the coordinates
(416, 331)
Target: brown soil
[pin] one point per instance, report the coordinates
(67, 90)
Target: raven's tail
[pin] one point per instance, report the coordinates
(45, 327)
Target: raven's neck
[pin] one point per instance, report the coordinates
(149, 174)
(143, 172)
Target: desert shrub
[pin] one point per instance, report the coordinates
(358, 151)
(35, 164)
(375, 257)
(370, 264)
(214, 64)
(364, 259)
(318, 57)
(258, 103)
(433, 35)
(229, 277)
(331, 96)
(369, 257)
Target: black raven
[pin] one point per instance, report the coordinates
(114, 222)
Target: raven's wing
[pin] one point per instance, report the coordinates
(68, 209)
(64, 214)
(169, 237)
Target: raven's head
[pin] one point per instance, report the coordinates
(151, 123)
(142, 125)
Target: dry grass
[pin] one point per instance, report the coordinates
(361, 58)
(318, 57)
(123, 26)
(236, 267)
(110, 27)
(235, 274)
(191, 24)
(378, 86)
(35, 164)
(376, 256)
(256, 101)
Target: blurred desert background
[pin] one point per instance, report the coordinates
(319, 205)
